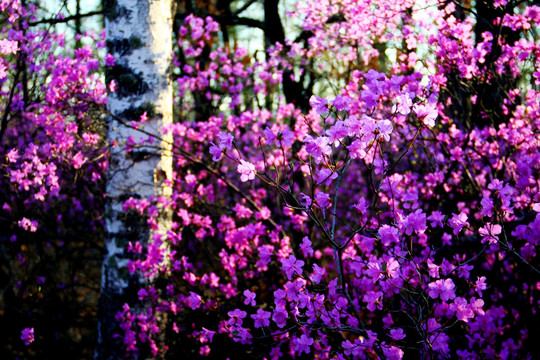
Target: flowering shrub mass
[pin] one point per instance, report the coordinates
(393, 215)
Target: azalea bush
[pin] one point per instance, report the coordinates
(53, 161)
(393, 214)
(397, 217)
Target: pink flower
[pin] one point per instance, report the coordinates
(8, 46)
(246, 171)
(404, 104)
(463, 310)
(12, 155)
(426, 113)
(109, 60)
(443, 289)
(78, 160)
(385, 129)
(357, 149)
(489, 233)
(28, 225)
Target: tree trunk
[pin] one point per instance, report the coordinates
(139, 35)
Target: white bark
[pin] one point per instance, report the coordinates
(147, 23)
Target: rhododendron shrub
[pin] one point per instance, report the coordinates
(52, 163)
(380, 223)
(393, 214)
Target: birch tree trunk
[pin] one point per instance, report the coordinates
(139, 35)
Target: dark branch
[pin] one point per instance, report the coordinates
(66, 19)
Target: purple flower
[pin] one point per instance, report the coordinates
(415, 222)
(326, 176)
(436, 219)
(305, 200)
(303, 344)
(318, 273)
(397, 334)
(306, 248)
(291, 265)
(194, 300)
(269, 135)
(109, 60)
(236, 317)
(481, 285)
(319, 104)
(27, 335)
(337, 132)
(250, 298)
(341, 103)
(216, 152)
(280, 316)
(286, 138)
(317, 147)
(323, 199)
(458, 222)
(261, 318)
(372, 299)
(225, 141)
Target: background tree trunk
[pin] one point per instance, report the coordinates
(139, 35)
